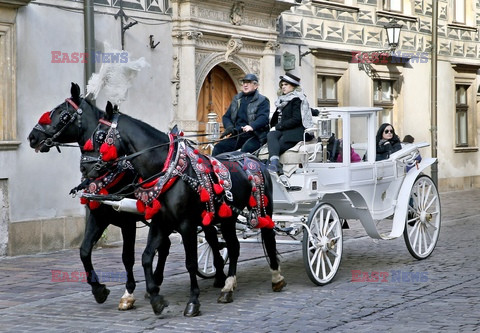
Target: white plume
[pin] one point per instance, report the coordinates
(115, 77)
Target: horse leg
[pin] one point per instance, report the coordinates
(233, 246)
(93, 232)
(162, 252)
(129, 230)
(218, 262)
(155, 239)
(269, 242)
(189, 238)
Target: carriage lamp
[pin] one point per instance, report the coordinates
(324, 131)
(365, 59)
(212, 130)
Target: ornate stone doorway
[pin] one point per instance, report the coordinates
(215, 96)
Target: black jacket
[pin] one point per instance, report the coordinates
(290, 124)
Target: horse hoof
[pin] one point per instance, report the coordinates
(100, 293)
(225, 297)
(126, 303)
(192, 310)
(279, 285)
(158, 304)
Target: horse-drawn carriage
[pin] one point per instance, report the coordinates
(316, 195)
(181, 189)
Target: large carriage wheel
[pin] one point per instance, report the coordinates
(322, 244)
(423, 218)
(206, 269)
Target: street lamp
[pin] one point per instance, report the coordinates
(365, 59)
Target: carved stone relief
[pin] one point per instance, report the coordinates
(236, 16)
(234, 45)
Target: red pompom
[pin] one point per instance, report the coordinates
(224, 211)
(254, 189)
(109, 152)
(252, 202)
(150, 211)
(204, 195)
(200, 161)
(217, 188)
(88, 146)
(265, 222)
(207, 219)
(195, 151)
(221, 182)
(45, 119)
(140, 206)
(103, 191)
(250, 177)
(265, 200)
(83, 201)
(214, 163)
(93, 205)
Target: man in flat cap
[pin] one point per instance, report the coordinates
(246, 120)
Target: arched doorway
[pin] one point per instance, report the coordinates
(215, 96)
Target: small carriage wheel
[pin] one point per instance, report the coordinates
(423, 219)
(206, 269)
(322, 244)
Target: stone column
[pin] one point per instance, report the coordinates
(268, 81)
(183, 81)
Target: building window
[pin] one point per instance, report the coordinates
(383, 97)
(327, 90)
(459, 11)
(461, 116)
(393, 5)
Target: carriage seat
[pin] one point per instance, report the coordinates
(302, 151)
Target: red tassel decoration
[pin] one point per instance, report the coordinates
(150, 211)
(195, 151)
(250, 177)
(224, 211)
(200, 161)
(83, 201)
(109, 152)
(265, 222)
(88, 146)
(93, 205)
(207, 219)
(217, 188)
(204, 195)
(214, 163)
(252, 202)
(140, 206)
(265, 200)
(45, 119)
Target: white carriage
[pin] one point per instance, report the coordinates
(315, 196)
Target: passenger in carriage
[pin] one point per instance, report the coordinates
(288, 123)
(387, 142)
(246, 120)
(354, 157)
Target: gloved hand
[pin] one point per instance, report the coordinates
(383, 142)
(228, 131)
(272, 129)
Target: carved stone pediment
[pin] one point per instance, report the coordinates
(14, 3)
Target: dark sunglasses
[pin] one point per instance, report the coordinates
(388, 131)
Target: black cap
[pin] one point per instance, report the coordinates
(250, 77)
(290, 78)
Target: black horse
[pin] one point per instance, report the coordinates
(182, 189)
(75, 121)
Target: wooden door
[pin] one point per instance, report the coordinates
(216, 95)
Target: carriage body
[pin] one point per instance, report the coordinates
(319, 193)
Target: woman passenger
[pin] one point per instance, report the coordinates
(387, 142)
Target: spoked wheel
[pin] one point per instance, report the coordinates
(206, 269)
(322, 244)
(423, 218)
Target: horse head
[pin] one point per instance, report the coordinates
(71, 121)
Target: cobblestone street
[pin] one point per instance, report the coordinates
(444, 298)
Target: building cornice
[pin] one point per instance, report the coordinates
(14, 3)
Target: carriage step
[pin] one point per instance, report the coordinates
(293, 188)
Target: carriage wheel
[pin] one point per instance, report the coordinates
(423, 218)
(323, 245)
(206, 269)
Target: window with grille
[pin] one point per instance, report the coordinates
(327, 94)
(461, 116)
(383, 97)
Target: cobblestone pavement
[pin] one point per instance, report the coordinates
(446, 299)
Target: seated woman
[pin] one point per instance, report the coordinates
(354, 157)
(289, 121)
(387, 142)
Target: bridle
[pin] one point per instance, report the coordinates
(76, 115)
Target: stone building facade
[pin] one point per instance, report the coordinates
(197, 51)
